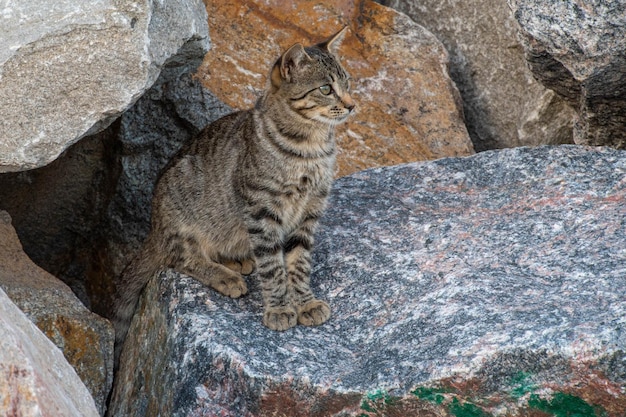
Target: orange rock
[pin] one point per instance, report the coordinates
(408, 109)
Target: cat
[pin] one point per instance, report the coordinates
(247, 192)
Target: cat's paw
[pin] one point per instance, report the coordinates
(280, 318)
(244, 267)
(247, 266)
(313, 313)
(231, 285)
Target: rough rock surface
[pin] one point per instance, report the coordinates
(504, 105)
(68, 69)
(35, 378)
(578, 49)
(408, 108)
(494, 284)
(85, 339)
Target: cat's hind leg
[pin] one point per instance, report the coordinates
(192, 260)
(219, 277)
(244, 267)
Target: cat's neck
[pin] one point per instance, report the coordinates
(308, 137)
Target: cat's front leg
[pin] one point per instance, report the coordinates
(279, 312)
(311, 311)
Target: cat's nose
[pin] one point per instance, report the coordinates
(348, 103)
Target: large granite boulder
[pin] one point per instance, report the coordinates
(408, 108)
(35, 378)
(68, 69)
(479, 286)
(85, 339)
(504, 105)
(579, 50)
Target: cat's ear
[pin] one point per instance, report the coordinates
(332, 44)
(294, 58)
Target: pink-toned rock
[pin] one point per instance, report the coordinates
(494, 285)
(408, 107)
(35, 379)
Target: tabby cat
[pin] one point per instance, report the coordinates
(247, 193)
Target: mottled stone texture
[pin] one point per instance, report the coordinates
(494, 284)
(85, 339)
(408, 108)
(504, 105)
(35, 379)
(578, 49)
(69, 68)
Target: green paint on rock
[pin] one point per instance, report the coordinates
(522, 385)
(565, 405)
(369, 403)
(459, 409)
(432, 395)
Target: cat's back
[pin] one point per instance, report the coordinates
(206, 164)
(223, 136)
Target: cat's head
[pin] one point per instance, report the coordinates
(313, 83)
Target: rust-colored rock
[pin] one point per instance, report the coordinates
(408, 107)
(85, 339)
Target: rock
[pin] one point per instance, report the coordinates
(408, 109)
(35, 379)
(85, 339)
(488, 285)
(579, 51)
(501, 99)
(68, 69)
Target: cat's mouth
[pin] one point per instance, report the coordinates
(336, 115)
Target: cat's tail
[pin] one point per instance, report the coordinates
(128, 290)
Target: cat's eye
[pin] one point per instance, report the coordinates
(326, 89)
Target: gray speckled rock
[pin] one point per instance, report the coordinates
(493, 284)
(504, 105)
(578, 49)
(68, 68)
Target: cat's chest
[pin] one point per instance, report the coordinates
(303, 189)
(305, 179)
